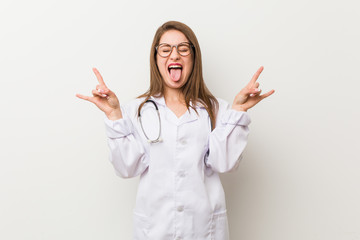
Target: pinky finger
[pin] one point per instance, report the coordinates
(265, 95)
(83, 97)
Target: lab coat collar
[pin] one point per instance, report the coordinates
(158, 100)
(161, 101)
(188, 116)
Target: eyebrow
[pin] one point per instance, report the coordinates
(175, 44)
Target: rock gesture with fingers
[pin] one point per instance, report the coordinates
(104, 99)
(249, 96)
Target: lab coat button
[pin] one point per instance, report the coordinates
(180, 208)
(181, 174)
(183, 142)
(178, 238)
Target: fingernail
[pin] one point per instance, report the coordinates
(251, 95)
(104, 95)
(100, 91)
(258, 89)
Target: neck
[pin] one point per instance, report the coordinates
(174, 95)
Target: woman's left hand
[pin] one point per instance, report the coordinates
(249, 96)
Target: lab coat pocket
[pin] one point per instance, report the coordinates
(141, 226)
(219, 226)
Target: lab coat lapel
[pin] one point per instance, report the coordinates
(189, 116)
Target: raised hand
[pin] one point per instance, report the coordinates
(104, 99)
(249, 96)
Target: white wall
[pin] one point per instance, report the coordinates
(300, 176)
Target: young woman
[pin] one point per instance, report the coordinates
(180, 152)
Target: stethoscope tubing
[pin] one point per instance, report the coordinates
(158, 139)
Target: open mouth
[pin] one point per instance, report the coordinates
(175, 71)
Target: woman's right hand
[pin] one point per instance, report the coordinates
(104, 99)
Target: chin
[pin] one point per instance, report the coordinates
(177, 85)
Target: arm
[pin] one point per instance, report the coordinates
(228, 140)
(127, 153)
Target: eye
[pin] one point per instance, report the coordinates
(184, 48)
(165, 49)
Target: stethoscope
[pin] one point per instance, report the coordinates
(158, 139)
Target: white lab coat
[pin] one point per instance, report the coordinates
(180, 195)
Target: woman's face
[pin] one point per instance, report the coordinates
(174, 69)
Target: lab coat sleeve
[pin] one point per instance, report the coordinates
(127, 153)
(228, 140)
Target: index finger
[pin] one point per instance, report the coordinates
(99, 77)
(256, 76)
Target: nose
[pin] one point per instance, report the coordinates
(174, 53)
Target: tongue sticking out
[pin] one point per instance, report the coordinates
(175, 74)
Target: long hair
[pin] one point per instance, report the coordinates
(194, 89)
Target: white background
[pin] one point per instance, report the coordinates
(300, 175)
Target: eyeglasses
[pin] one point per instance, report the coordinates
(164, 49)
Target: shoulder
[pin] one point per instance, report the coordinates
(219, 107)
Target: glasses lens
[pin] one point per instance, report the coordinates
(164, 50)
(184, 49)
